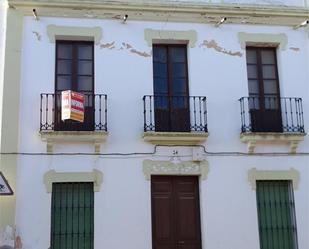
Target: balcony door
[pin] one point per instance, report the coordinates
(171, 95)
(175, 212)
(264, 95)
(75, 71)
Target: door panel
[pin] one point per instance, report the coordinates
(187, 201)
(175, 212)
(264, 103)
(171, 88)
(162, 215)
(179, 105)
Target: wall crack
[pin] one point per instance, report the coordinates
(212, 44)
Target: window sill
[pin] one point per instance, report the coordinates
(52, 137)
(252, 139)
(175, 138)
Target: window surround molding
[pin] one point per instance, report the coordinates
(263, 39)
(55, 32)
(291, 174)
(170, 36)
(96, 176)
(198, 168)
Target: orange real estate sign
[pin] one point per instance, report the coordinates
(72, 106)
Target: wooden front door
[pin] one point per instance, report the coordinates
(264, 95)
(75, 71)
(175, 212)
(171, 95)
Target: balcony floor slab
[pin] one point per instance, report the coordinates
(175, 138)
(254, 138)
(52, 137)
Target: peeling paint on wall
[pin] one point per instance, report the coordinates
(144, 54)
(125, 47)
(7, 240)
(18, 243)
(38, 36)
(295, 49)
(108, 45)
(214, 45)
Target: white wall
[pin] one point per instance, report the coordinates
(122, 207)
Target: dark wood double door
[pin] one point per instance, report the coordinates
(75, 71)
(264, 94)
(171, 95)
(175, 212)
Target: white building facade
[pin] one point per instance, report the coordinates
(195, 124)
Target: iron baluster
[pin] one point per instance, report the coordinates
(205, 115)
(277, 115)
(150, 106)
(194, 114)
(200, 113)
(297, 114)
(286, 115)
(302, 116)
(144, 102)
(291, 110)
(191, 116)
(105, 123)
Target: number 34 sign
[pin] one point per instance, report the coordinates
(5, 188)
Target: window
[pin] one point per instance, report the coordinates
(171, 94)
(72, 216)
(263, 84)
(75, 71)
(276, 214)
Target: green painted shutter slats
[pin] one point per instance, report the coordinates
(276, 213)
(72, 216)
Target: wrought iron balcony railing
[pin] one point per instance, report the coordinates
(95, 118)
(164, 113)
(271, 114)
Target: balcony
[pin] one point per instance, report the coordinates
(175, 120)
(93, 129)
(272, 120)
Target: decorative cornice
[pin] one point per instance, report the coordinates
(173, 11)
(168, 168)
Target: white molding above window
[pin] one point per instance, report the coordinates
(263, 39)
(255, 175)
(170, 36)
(52, 176)
(55, 32)
(168, 168)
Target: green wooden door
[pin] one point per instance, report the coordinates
(72, 216)
(276, 213)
